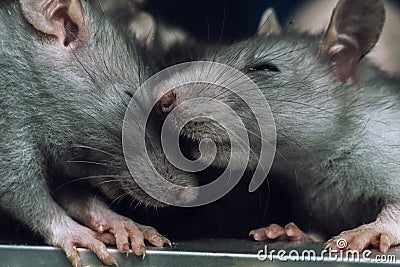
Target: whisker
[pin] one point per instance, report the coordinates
(92, 162)
(119, 198)
(95, 149)
(89, 178)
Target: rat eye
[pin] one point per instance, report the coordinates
(264, 67)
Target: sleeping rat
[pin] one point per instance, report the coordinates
(64, 92)
(336, 119)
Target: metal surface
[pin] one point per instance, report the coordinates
(218, 252)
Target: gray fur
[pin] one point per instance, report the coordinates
(61, 119)
(338, 147)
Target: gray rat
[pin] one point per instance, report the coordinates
(336, 119)
(64, 92)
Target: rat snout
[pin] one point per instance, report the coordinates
(167, 102)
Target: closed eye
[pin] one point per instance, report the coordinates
(264, 67)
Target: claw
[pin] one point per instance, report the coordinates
(327, 246)
(143, 250)
(166, 241)
(74, 258)
(115, 263)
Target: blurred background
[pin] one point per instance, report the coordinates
(188, 23)
(229, 20)
(221, 20)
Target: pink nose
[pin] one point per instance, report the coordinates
(167, 102)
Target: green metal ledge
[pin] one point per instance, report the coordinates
(210, 252)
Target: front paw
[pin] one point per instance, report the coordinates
(362, 237)
(278, 233)
(72, 235)
(125, 231)
(127, 234)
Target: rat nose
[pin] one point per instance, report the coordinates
(167, 102)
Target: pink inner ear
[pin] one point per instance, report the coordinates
(66, 29)
(354, 29)
(63, 19)
(53, 7)
(59, 28)
(345, 56)
(345, 64)
(55, 12)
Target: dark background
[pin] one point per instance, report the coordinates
(220, 20)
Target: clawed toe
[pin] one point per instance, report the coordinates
(130, 235)
(155, 238)
(361, 238)
(84, 238)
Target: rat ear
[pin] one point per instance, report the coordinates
(353, 31)
(63, 19)
(269, 23)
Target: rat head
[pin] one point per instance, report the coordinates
(89, 73)
(302, 77)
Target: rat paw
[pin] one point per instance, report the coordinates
(127, 233)
(364, 236)
(79, 236)
(278, 233)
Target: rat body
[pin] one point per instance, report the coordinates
(336, 121)
(64, 91)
